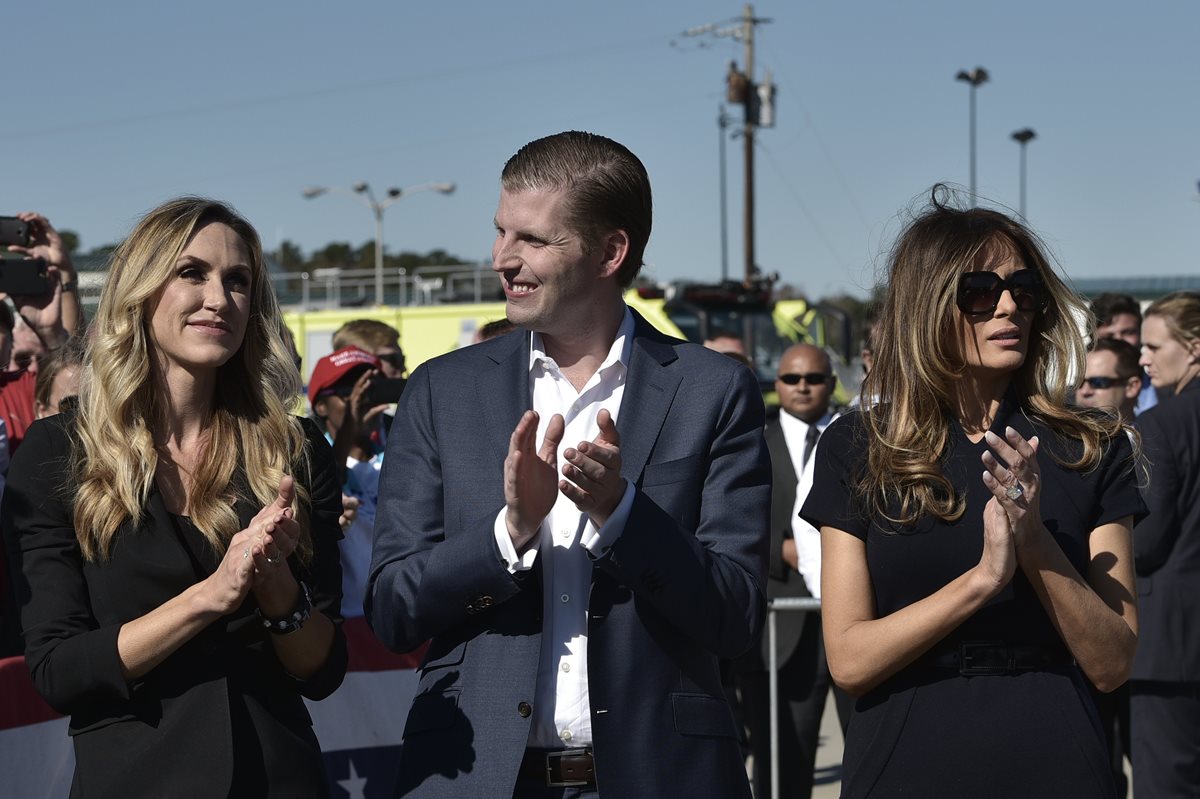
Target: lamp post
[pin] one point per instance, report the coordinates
(976, 78)
(362, 193)
(1023, 137)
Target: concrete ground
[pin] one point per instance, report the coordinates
(827, 783)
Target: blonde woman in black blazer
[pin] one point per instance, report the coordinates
(1165, 684)
(174, 544)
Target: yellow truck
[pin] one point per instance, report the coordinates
(689, 311)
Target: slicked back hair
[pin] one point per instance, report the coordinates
(606, 185)
(1126, 354)
(1109, 304)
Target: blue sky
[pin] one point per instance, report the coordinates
(113, 107)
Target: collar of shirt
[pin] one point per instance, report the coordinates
(618, 352)
(794, 426)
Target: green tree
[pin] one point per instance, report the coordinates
(70, 240)
(290, 257)
(334, 254)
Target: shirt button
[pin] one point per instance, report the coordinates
(565, 533)
(565, 735)
(524, 709)
(566, 667)
(565, 598)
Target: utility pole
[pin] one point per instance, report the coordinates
(748, 133)
(759, 103)
(722, 123)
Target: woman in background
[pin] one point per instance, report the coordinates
(975, 531)
(174, 544)
(1165, 688)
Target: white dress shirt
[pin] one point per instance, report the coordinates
(561, 710)
(807, 537)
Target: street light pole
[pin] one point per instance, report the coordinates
(362, 193)
(1023, 137)
(975, 78)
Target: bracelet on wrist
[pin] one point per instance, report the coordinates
(294, 620)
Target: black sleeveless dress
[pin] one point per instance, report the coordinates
(929, 731)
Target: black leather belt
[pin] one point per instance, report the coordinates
(559, 768)
(971, 658)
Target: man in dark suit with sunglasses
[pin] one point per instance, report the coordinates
(805, 384)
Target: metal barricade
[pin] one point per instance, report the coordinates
(806, 604)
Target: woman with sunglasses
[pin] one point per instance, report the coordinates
(1165, 686)
(976, 555)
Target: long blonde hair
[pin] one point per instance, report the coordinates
(917, 364)
(116, 457)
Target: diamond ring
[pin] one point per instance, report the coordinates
(275, 559)
(1015, 491)
(245, 553)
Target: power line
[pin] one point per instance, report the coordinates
(808, 215)
(828, 154)
(605, 52)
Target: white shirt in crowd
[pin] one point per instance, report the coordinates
(567, 542)
(807, 537)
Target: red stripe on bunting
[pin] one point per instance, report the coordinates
(20, 704)
(367, 653)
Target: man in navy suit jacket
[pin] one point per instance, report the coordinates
(575, 515)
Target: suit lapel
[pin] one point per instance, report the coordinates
(649, 393)
(502, 390)
(781, 458)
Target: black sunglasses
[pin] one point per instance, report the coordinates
(980, 292)
(395, 359)
(812, 378)
(1105, 382)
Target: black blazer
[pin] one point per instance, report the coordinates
(782, 579)
(1166, 544)
(680, 588)
(220, 716)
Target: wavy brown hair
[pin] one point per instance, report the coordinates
(918, 363)
(120, 401)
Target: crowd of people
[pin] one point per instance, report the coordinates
(584, 520)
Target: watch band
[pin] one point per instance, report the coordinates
(294, 620)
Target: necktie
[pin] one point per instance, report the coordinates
(810, 444)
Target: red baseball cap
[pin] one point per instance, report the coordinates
(331, 370)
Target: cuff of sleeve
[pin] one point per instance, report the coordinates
(514, 562)
(598, 540)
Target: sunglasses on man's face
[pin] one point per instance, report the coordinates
(811, 378)
(980, 292)
(395, 359)
(1099, 383)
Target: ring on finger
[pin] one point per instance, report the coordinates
(245, 553)
(1015, 491)
(275, 560)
